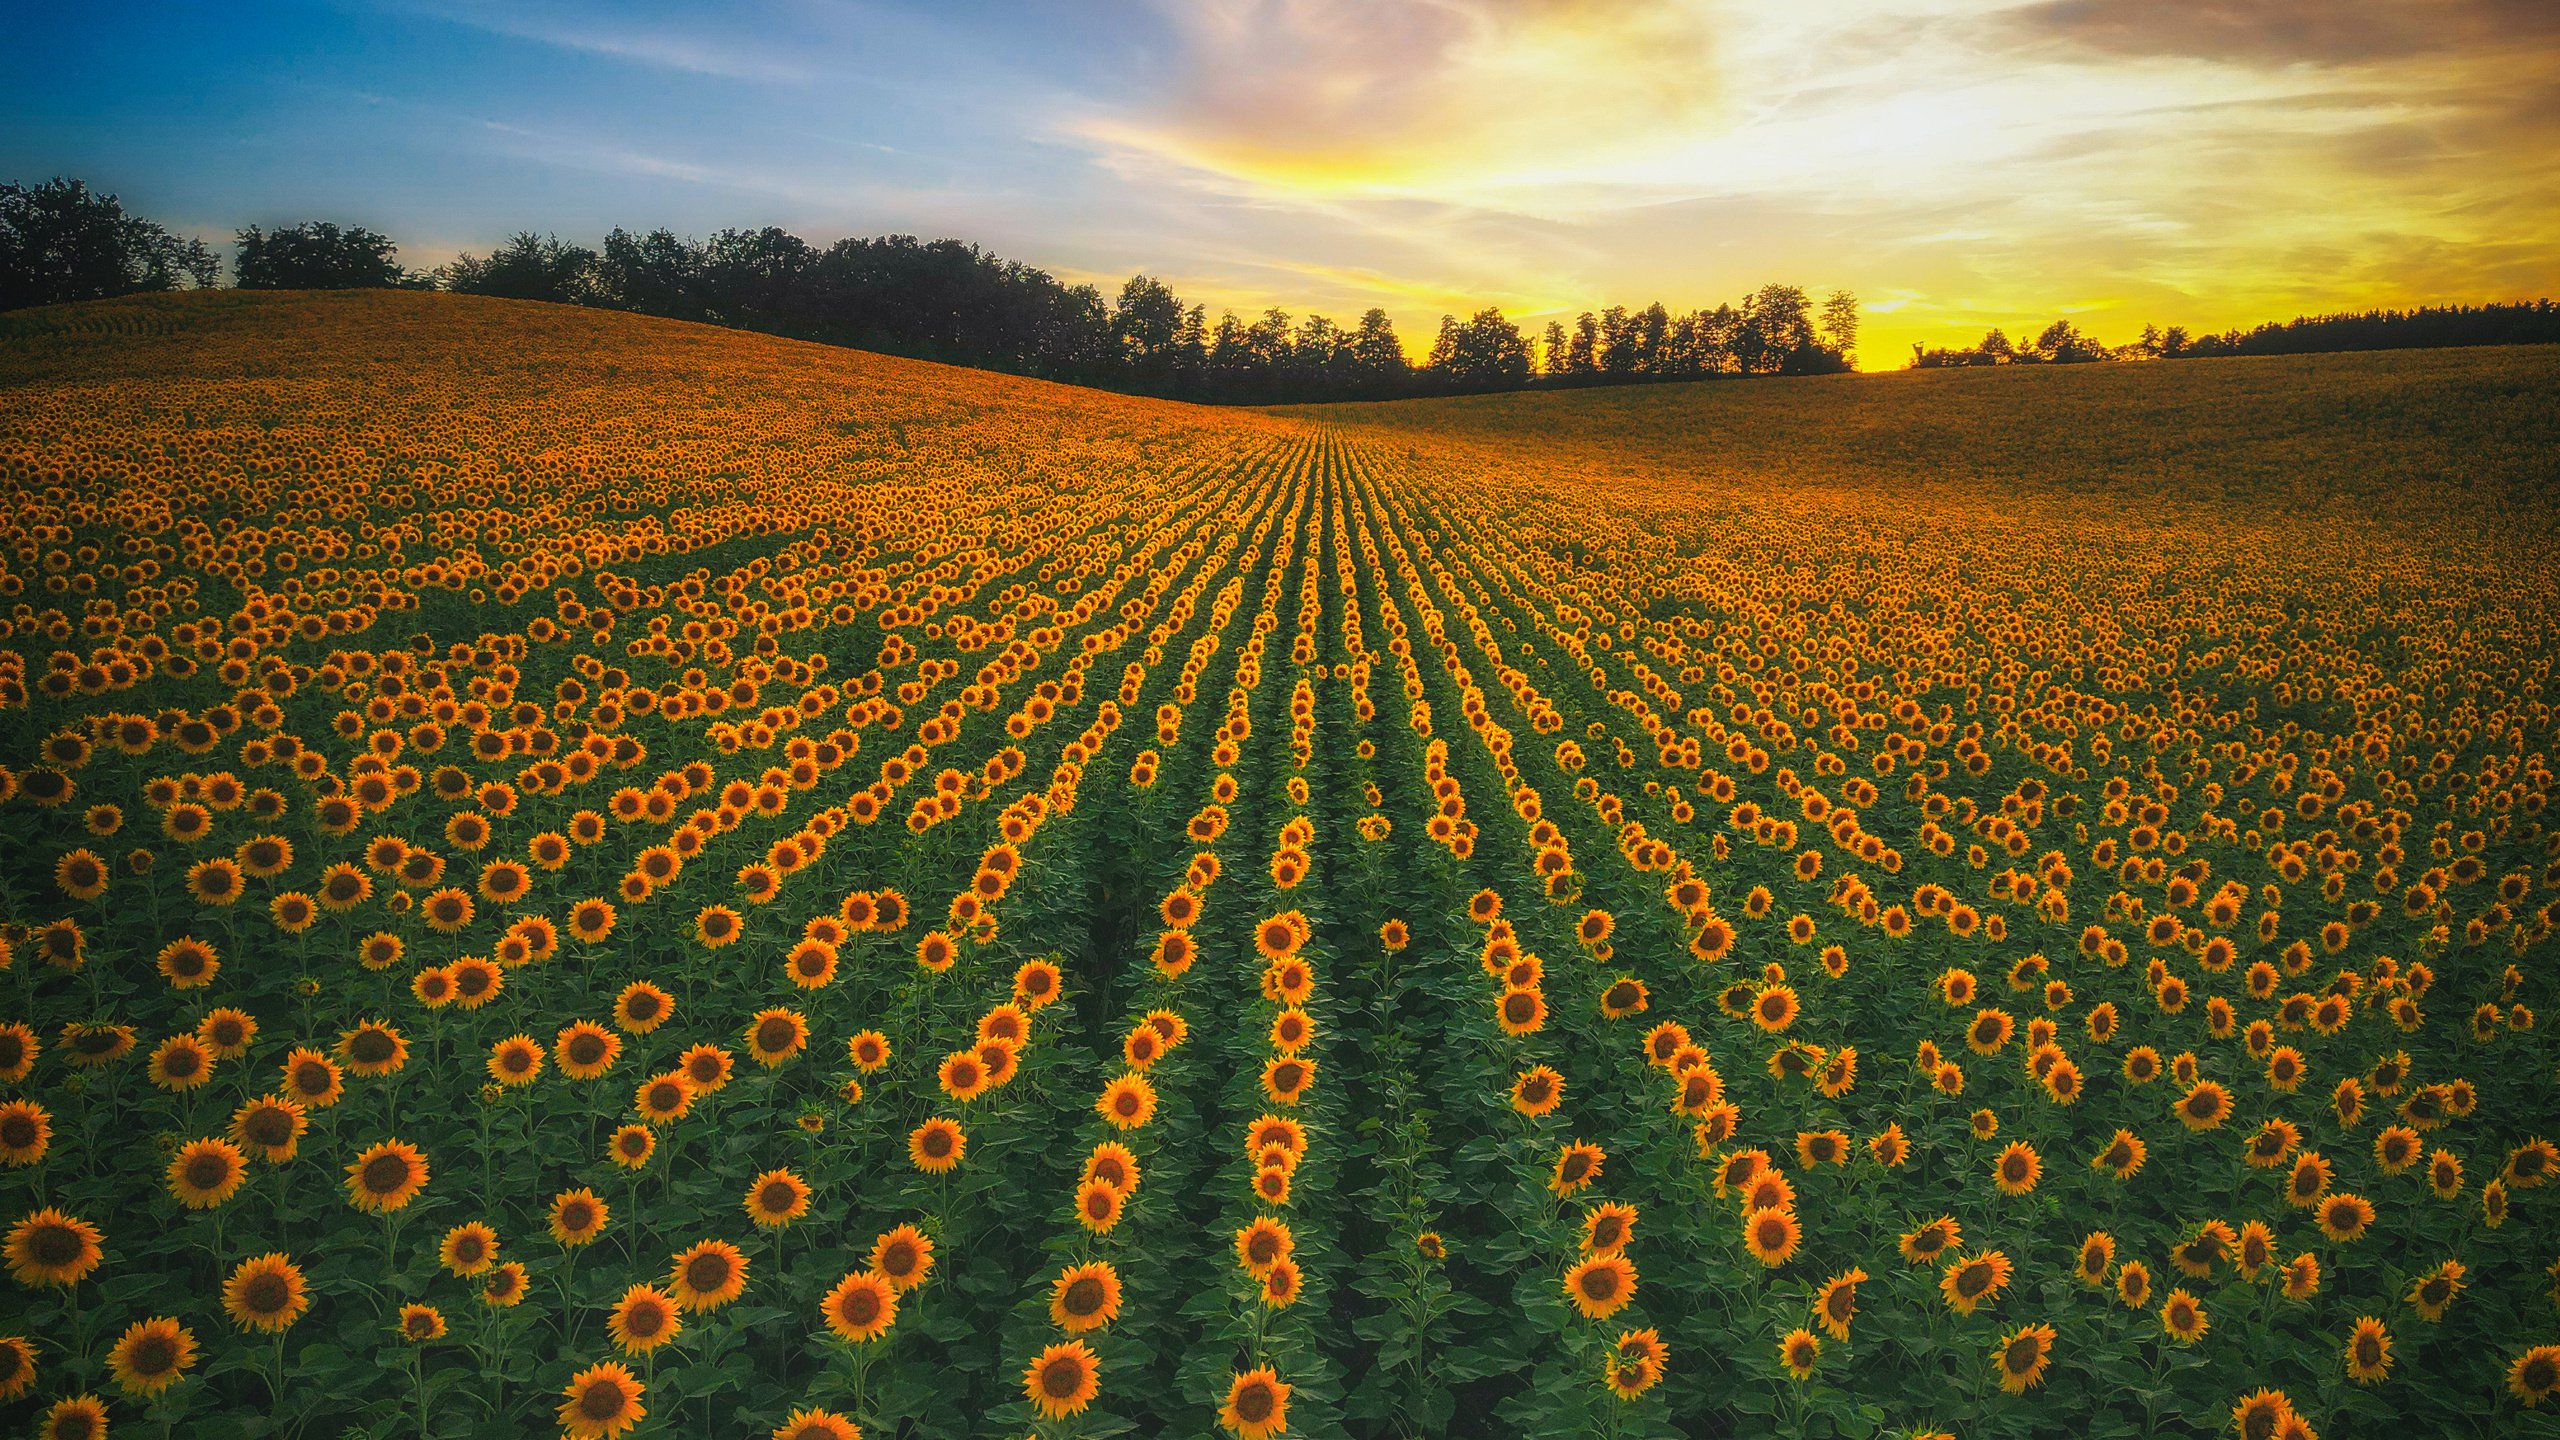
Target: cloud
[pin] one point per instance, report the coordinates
(620, 34)
(2284, 32)
(1968, 162)
(1457, 102)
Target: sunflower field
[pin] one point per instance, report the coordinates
(573, 875)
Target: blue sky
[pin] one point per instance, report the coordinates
(1958, 163)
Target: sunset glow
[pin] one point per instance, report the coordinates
(1957, 163)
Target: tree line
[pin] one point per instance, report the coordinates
(2428, 327)
(940, 300)
(955, 302)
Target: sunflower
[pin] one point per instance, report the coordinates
(1771, 1233)
(578, 1217)
(17, 1367)
(1114, 1165)
(2210, 1244)
(602, 1402)
(2204, 1106)
(868, 1050)
(476, 982)
(468, 1249)
(1924, 1245)
(205, 1173)
(265, 1294)
(421, 1323)
(586, 1050)
(26, 1132)
(816, 1425)
(2368, 1352)
(2344, 1217)
(644, 1319)
(2535, 1374)
(1836, 1303)
(707, 1068)
(180, 1063)
(642, 1007)
(2133, 1285)
(386, 1175)
(1601, 1285)
(937, 1146)
(1889, 1148)
(2444, 1174)
(2302, 1277)
(1280, 1284)
(776, 1198)
(2097, 1257)
(902, 1256)
(503, 1286)
(1063, 1380)
(663, 1099)
(270, 1127)
(1774, 1008)
(1798, 1352)
(1970, 1280)
(708, 1275)
(1085, 1297)
(1607, 1228)
(1130, 1100)
(1537, 1091)
(1577, 1167)
(2018, 1168)
(515, 1061)
(1037, 983)
(188, 964)
(2182, 1317)
(2435, 1290)
(776, 1035)
(1257, 1405)
(152, 1355)
(226, 1032)
(1263, 1243)
(2264, 1415)
(861, 1308)
(2023, 1356)
(1098, 1206)
(1521, 1010)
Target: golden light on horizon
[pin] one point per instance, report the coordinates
(1959, 164)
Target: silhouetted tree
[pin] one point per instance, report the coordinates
(317, 255)
(1582, 356)
(61, 241)
(2061, 343)
(1487, 352)
(1840, 323)
(1378, 357)
(1147, 320)
(528, 267)
(655, 274)
(1551, 350)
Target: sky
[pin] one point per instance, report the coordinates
(1956, 164)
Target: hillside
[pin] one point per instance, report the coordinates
(2461, 438)
(578, 873)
